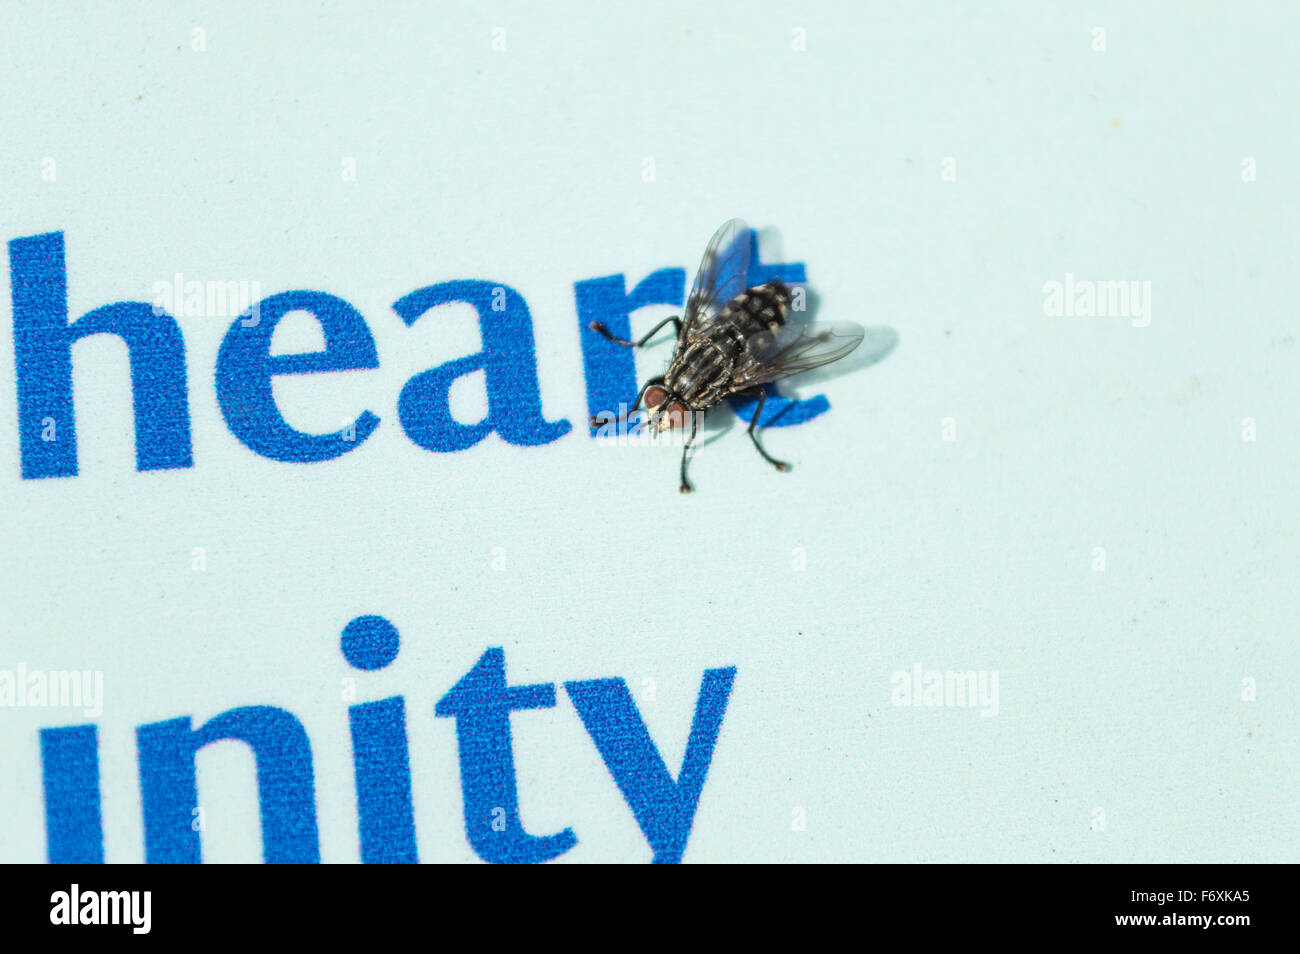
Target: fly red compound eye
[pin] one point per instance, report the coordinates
(654, 396)
(677, 414)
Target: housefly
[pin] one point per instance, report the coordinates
(732, 340)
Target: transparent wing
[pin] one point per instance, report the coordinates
(723, 274)
(792, 349)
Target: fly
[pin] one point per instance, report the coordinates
(732, 340)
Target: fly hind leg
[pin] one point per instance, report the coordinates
(753, 436)
(604, 332)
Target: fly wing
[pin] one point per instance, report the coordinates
(792, 349)
(723, 274)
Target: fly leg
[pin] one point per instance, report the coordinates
(598, 421)
(753, 422)
(600, 329)
(686, 449)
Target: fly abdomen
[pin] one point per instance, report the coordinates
(754, 311)
(701, 371)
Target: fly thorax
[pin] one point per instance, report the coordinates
(700, 372)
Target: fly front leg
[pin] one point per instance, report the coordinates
(600, 329)
(686, 449)
(778, 464)
(595, 421)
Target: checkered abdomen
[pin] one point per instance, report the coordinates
(702, 368)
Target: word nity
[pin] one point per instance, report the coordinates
(245, 366)
(480, 704)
